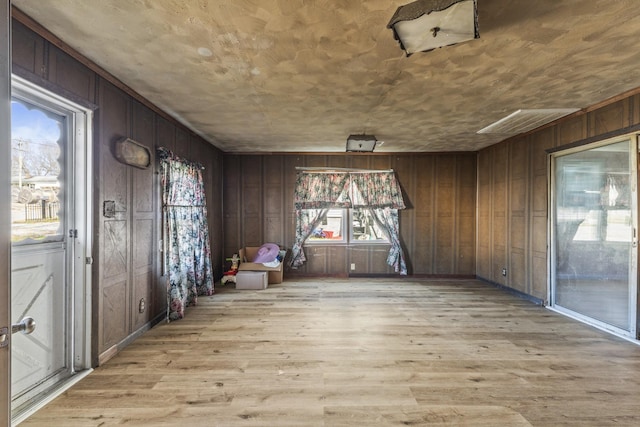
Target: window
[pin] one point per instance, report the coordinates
(354, 226)
(331, 228)
(38, 158)
(322, 198)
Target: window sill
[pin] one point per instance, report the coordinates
(352, 243)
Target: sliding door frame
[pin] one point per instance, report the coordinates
(632, 333)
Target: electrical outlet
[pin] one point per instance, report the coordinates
(142, 305)
(504, 272)
(353, 266)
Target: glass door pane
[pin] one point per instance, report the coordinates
(594, 234)
(37, 162)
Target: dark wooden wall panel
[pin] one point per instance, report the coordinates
(359, 258)
(127, 265)
(634, 106)
(116, 324)
(252, 201)
(518, 230)
(317, 262)
(113, 244)
(231, 205)
(213, 185)
(69, 74)
(423, 243)
(499, 213)
(445, 199)
(166, 134)
(465, 236)
(182, 146)
(485, 222)
(338, 258)
(527, 192)
(356, 162)
(610, 118)
(439, 192)
(538, 251)
(145, 207)
(568, 131)
(28, 50)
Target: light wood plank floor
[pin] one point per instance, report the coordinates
(365, 352)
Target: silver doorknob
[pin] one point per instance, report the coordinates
(26, 326)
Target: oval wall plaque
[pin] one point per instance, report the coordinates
(133, 153)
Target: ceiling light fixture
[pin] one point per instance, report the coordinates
(425, 25)
(361, 143)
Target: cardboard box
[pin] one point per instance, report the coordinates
(248, 253)
(251, 280)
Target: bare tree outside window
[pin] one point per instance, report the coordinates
(36, 164)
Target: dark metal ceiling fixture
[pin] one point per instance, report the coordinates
(362, 143)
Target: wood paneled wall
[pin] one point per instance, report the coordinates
(437, 228)
(513, 193)
(126, 253)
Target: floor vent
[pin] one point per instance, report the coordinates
(525, 120)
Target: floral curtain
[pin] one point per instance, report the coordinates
(321, 190)
(376, 190)
(307, 220)
(188, 253)
(379, 191)
(387, 218)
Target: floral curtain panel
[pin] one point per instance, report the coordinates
(387, 218)
(379, 191)
(376, 190)
(188, 253)
(307, 220)
(322, 190)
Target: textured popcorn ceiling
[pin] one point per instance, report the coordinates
(301, 75)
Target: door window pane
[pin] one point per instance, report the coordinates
(36, 164)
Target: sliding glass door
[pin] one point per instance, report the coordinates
(594, 234)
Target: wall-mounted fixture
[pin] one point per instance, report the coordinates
(425, 25)
(132, 153)
(363, 143)
(109, 209)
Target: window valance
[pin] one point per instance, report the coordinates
(347, 189)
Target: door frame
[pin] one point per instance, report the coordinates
(80, 246)
(79, 134)
(5, 209)
(634, 163)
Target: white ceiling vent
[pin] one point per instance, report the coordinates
(525, 120)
